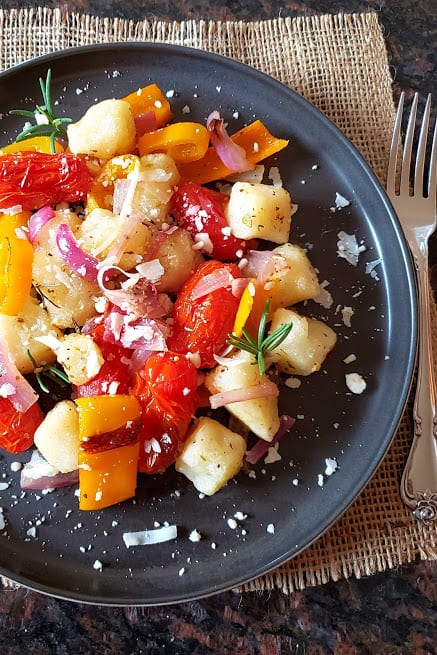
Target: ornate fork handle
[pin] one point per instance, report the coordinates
(419, 479)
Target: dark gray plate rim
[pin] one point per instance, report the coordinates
(356, 431)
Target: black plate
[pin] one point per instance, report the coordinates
(332, 422)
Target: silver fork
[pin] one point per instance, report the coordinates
(418, 216)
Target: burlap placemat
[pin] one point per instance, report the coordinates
(339, 63)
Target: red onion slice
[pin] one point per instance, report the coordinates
(219, 279)
(12, 384)
(145, 122)
(77, 260)
(38, 220)
(231, 154)
(261, 447)
(266, 389)
(38, 474)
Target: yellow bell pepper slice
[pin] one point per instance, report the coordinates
(252, 304)
(108, 451)
(150, 98)
(34, 144)
(256, 141)
(16, 259)
(102, 187)
(184, 142)
(244, 308)
(102, 414)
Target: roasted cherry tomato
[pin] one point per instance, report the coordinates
(169, 381)
(17, 428)
(34, 179)
(202, 324)
(166, 388)
(199, 209)
(114, 375)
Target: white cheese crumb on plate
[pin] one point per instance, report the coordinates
(355, 383)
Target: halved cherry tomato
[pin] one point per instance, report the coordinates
(202, 324)
(198, 210)
(17, 428)
(114, 375)
(166, 388)
(34, 179)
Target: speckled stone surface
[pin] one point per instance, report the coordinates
(391, 613)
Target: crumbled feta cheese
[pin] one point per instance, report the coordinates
(340, 202)
(272, 455)
(331, 465)
(320, 480)
(232, 523)
(293, 383)
(370, 268)
(347, 313)
(98, 566)
(350, 358)
(324, 297)
(348, 248)
(271, 528)
(355, 383)
(195, 536)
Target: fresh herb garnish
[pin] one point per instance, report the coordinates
(263, 345)
(51, 372)
(52, 126)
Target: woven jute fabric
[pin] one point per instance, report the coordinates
(339, 63)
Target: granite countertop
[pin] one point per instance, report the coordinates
(390, 613)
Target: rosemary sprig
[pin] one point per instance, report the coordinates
(263, 345)
(52, 126)
(51, 372)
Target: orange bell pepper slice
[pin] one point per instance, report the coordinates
(16, 259)
(102, 187)
(256, 141)
(184, 142)
(34, 144)
(150, 98)
(108, 450)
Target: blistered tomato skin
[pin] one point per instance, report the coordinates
(166, 388)
(201, 325)
(201, 210)
(17, 428)
(35, 179)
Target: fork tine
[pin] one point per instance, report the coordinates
(421, 150)
(432, 174)
(394, 148)
(408, 147)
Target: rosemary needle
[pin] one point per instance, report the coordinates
(50, 125)
(263, 345)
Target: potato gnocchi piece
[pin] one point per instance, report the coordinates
(156, 178)
(305, 348)
(259, 211)
(101, 228)
(260, 415)
(179, 260)
(211, 456)
(57, 437)
(22, 331)
(69, 299)
(297, 280)
(105, 130)
(80, 357)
